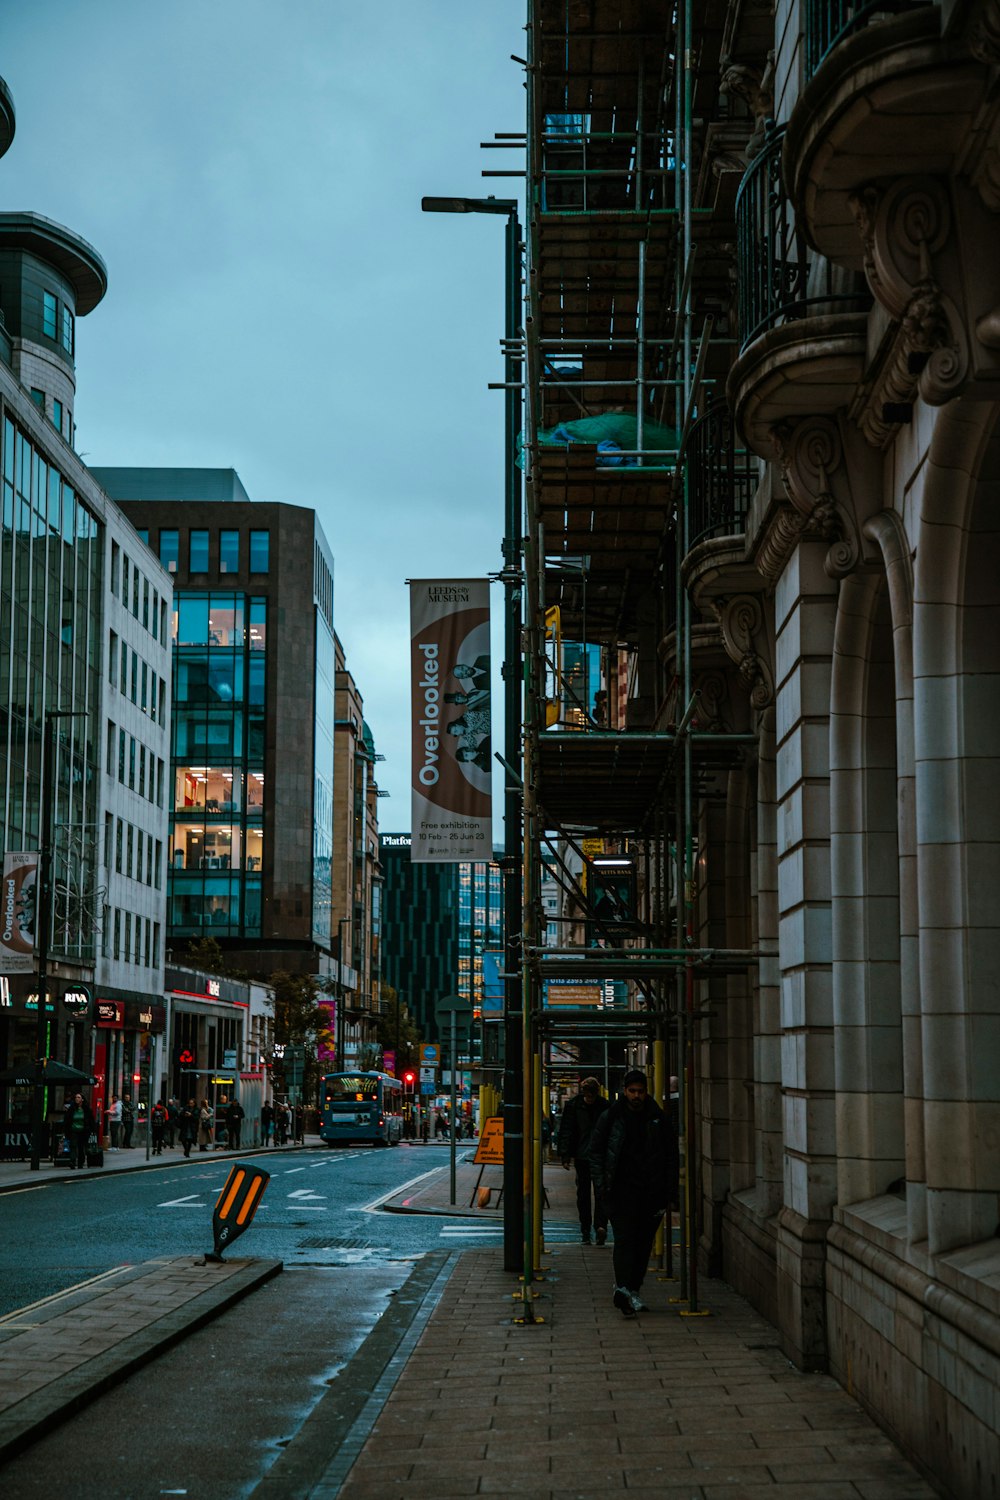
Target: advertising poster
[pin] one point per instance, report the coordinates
(17, 928)
(452, 757)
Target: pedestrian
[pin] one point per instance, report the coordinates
(300, 1125)
(158, 1126)
(221, 1121)
(187, 1126)
(78, 1126)
(633, 1161)
(206, 1122)
(114, 1119)
(281, 1120)
(578, 1120)
(266, 1122)
(425, 1128)
(173, 1119)
(235, 1115)
(128, 1124)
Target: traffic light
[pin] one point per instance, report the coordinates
(409, 1079)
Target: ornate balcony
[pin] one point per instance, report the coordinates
(802, 320)
(829, 22)
(722, 480)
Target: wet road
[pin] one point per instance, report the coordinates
(208, 1418)
(320, 1208)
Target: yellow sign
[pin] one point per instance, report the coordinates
(592, 848)
(489, 1152)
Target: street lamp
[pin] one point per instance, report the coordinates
(513, 1078)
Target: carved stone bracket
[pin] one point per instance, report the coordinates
(907, 232)
(811, 455)
(742, 622)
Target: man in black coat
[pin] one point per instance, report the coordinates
(633, 1159)
(578, 1120)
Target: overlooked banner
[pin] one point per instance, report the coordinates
(452, 763)
(17, 933)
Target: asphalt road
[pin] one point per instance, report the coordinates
(320, 1208)
(208, 1418)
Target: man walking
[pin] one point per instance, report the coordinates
(235, 1115)
(633, 1159)
(578, 1120)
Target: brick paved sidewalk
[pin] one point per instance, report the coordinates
(587, 1405)
(62, 1352)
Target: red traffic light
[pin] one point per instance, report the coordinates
(408, 1079)
(136, 1077)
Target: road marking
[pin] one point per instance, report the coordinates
(376, 1203)
(459, 1233)
(55, 1296)
(306, 1193)
(191, 1201)
(33, 1189)
(290, 1170)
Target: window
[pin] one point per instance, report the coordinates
(128, 938)
(119, 845)
(144, 692)
(123, 684)
(38, 397)
(125, 579)
(109, 764)
(198, 551)
(170, 548)
(135, 591)
(121, 756)
(57, 415)
(118, 933)
(113, 659)
(260, 551)
(116, 562)
(138, 853)
(131, 762)
(135, 677)
(145, 604)
(229, 552)
(155, 622)
(48, 315)
(149, 860)
(109, 839)
(158, 866)
(142, 769)
(156, 944)
(67, 329)
(143, 533)
(129, 850)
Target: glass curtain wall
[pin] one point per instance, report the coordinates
(217, 839)
(51, 563)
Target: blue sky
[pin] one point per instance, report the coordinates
(251, 173)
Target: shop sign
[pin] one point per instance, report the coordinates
(111, 1013)
(77, 1001)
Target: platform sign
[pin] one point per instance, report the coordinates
(489, 1152)
(236, 1205)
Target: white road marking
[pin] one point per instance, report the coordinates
(376, 1203)
(306, 1193)
(193, 1200)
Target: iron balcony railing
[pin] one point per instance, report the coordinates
(722, 477)
(780, 279)
(830, 21)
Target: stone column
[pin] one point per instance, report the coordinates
(805, 611)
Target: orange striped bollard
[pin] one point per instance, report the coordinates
(236, 1205)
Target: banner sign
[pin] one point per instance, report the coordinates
(18, 912)
(452, 759)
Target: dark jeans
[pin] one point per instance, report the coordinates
(234, 1137)
(78, 1148)
(635, 1227)
(584, 1190)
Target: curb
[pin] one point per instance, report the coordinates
(90, 1173)
(32, 1418)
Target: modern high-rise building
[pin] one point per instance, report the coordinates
(84, 679)
(437, 920)
(251, 779)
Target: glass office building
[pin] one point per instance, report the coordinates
(252, 752)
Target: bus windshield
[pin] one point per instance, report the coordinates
(351, 1086)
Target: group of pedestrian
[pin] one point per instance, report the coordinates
(627, 1172)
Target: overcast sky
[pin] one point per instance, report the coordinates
(251, 172)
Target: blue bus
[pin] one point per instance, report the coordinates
(361, 1107)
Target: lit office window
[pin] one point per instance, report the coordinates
(198, 553)
(260, 551)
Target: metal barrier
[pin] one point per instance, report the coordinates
(829, 22)
(721, 477)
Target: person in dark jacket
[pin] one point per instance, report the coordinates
(78, 1126)
(578, 1120)
(633, 1159)
(235, 1115)
(187, 1124)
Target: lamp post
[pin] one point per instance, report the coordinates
(46, 791)
(341, 1019)
(513, 1076)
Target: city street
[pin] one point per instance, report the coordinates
(209, 1416)
(320, 1208)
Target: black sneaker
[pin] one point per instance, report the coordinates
(585, 1237)
(623, 1302)
(602, 1235)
